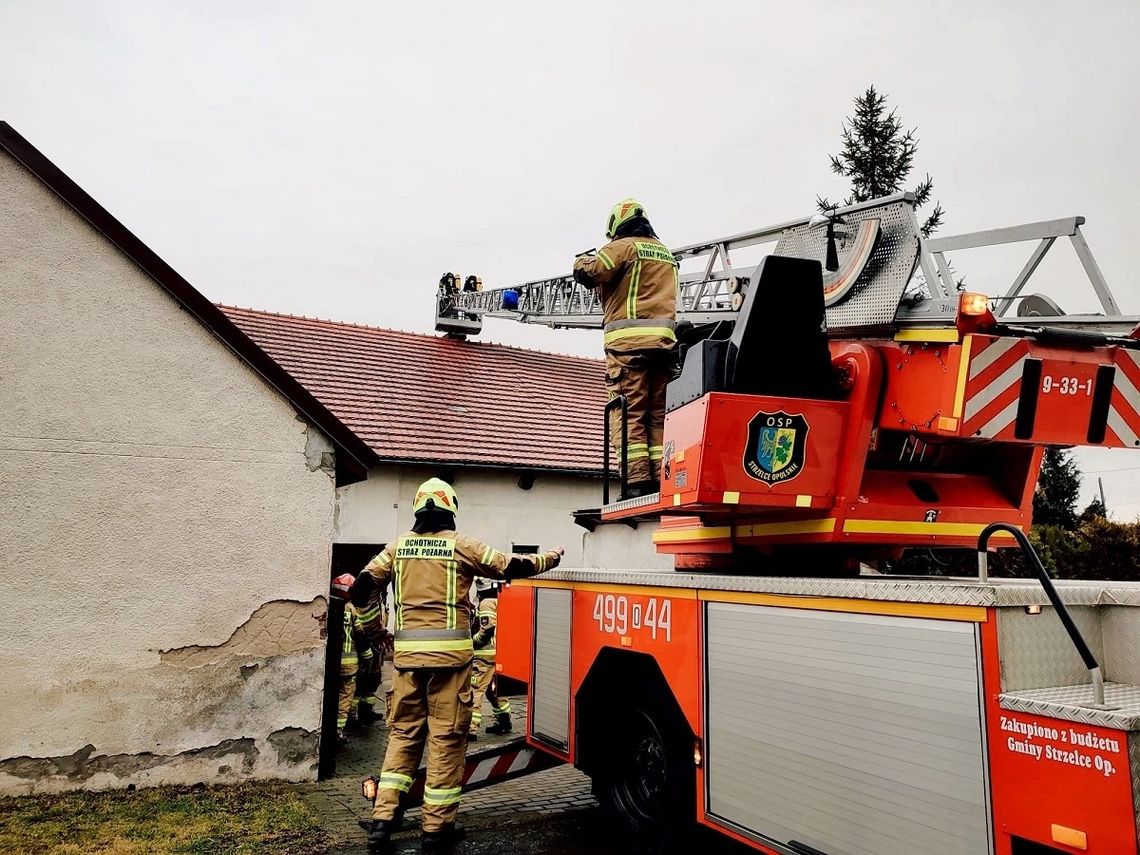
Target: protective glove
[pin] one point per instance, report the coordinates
(362, 589)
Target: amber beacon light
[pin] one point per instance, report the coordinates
(974, 313)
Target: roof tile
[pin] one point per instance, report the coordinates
(412, 396)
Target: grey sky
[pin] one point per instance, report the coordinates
(332, 159)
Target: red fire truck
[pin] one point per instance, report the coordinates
(773, 687)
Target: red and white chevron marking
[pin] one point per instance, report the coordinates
(993, 386)
(491, 769)
(1124, 406)
(490, 766)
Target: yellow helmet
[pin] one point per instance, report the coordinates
(435, 493)
(623, 211)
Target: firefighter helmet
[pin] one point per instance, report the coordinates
(435, 493)
(622, 212)
(342, 584)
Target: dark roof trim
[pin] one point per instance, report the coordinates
(362, 457)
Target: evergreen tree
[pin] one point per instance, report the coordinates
(1058, 486)
(877, 157)
(1093, 511)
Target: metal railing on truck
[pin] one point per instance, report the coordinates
(1051, 592)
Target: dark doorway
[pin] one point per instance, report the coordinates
(346, 558)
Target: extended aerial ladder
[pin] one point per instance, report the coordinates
(918, 288)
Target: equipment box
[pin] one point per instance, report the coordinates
(753, 451)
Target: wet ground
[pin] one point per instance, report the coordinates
(583, 832)
(546, 813)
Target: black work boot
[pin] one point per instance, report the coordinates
(380, 837)
(502, 724)
(354, 726)
(438, 842)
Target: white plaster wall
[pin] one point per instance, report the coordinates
(154, 493)
(493, 508)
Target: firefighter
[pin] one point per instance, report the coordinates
(353, 638)
(369, 675)
(431, 568)
(636, 277)
(483, 681)
(365, 660)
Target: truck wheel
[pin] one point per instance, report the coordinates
(649, 784)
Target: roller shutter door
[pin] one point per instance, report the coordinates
(854, 734)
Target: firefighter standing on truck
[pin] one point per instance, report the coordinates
(483, 681)
(636, 277)
(431, 569)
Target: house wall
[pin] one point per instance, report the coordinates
(165, 520)
(495, 509)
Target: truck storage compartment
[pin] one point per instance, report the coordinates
(550, 695)
(856, 734)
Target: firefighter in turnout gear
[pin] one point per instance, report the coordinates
(431, 569)
(366, 660)
(369, 676)
(483, 668)
(637, 280)
(352, 642)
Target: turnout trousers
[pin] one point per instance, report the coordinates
(347, 693)
(368, 681)
(429, 707)
(642, 377)
(483, 683)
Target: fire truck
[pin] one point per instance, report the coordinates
(842, 400)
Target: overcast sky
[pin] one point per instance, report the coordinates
(333, 159)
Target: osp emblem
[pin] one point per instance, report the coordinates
(776, 445)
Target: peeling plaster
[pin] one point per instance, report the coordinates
(319, 453)
(275, 628)
(85, 763)
(295, 745)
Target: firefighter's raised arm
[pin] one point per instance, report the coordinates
(602, 269)
(489, 562)
(367, 595)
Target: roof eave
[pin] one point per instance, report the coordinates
(505, 466)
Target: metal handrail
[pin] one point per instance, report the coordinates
(1051, 592)
(623, 462)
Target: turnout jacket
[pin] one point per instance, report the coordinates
(636, 278)
(431, 576)
(486, 619)
(351, 651)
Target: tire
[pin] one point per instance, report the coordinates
(649, 784)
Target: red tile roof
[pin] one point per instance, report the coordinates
(422, 397)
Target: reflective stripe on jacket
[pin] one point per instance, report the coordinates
(348, 654)
(431, 576)
(486, 620)
(637, 279)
